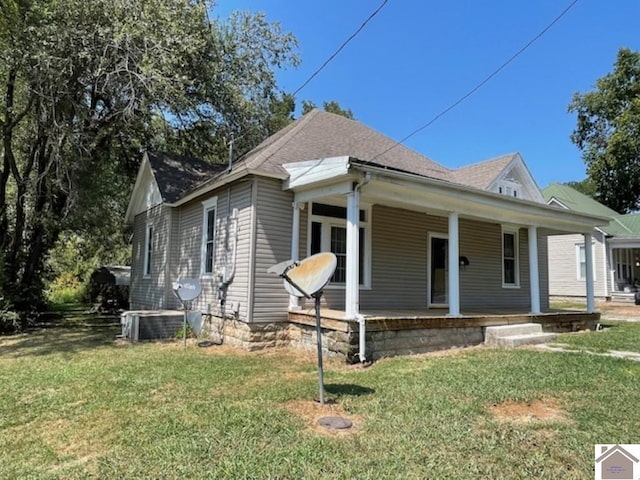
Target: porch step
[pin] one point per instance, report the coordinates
(510, 336)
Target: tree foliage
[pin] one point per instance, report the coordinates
(86, 86)
(329, 106)
(608, 133)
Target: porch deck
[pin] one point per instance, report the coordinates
(390, 332)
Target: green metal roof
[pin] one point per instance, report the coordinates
(620, 226)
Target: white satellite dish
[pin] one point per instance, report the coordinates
(307, 279)
(187, 289)
(310, 275)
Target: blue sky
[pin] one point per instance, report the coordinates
(415, 58)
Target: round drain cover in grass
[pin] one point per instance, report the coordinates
(335, 423)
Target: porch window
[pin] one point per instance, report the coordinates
(581, 262)
(148, 250)
(510, 259)
(208, 236)
(328, 233)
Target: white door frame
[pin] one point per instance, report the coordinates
(442, 236)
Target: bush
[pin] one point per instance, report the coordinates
(10, 321)
(190, 333)
(66, 288)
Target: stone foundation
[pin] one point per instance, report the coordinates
(385, 337)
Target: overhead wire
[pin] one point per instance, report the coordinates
(326, 62)
(480, 84)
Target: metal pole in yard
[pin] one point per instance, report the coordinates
(319, 343)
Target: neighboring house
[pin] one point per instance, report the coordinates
(409, 233)
(615, 248)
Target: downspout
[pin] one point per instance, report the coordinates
(362, 343)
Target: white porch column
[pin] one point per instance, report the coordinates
(295, 248)
(534, 274)
(454, 266)
(588, 257)
(352, 290)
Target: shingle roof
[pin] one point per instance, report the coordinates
(320, 134)
(176, 175)
(481, 175)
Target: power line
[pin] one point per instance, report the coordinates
(481, 84)
(326, 62)
(344, 44)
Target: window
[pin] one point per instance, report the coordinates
(328, 232)
(510, 187)
(581, 262)
(148, 249)
(208, 236)
(510, 269)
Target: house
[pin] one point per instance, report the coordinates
(615, 248)
(428, 256)
(616, 462)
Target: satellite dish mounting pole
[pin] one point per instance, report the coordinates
(317, 296)
(307, 279)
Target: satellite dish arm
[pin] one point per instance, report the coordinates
(294, 285)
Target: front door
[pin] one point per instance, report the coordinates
(438, 270)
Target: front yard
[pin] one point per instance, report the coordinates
(74, 403)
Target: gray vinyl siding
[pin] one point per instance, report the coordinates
(273, 245)
(188, 247)
(563, 273)
(150, 293)
(399, 265)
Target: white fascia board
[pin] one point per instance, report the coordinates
(314, 171)
(145, 194)
(322, 192)
(624, 242)
(471, 201)
(554, 199)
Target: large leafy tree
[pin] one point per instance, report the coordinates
(86, 86)
(608, 133)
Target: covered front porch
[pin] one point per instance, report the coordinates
(423, 263)
(391, 332)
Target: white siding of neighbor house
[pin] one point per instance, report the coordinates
(563, 274)
(187, 250)
(150, 293)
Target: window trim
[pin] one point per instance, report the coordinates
(148, 250)
(578, 262)
(207, 206)
(516, 241)
(327, 223)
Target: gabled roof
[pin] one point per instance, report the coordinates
(574, 200)
(176, 175)
(620, 226)
(320, 134)
(616, 448)
(481, 175)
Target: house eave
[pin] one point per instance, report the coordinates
(384, 185)
(226, 179)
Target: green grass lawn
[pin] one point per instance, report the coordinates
(76, 404)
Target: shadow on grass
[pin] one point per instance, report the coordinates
(63, 332)
(348, 389)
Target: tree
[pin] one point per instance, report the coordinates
(86, 86)
(330, 106)
(585, 186)
(608, 133)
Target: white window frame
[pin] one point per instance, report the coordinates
(148, 250)
(510, 188)
(207, 206)
(580, 246)
(325, 240)
(516, 234)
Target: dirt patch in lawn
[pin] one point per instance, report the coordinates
(546, 410)
(312, 411)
